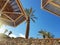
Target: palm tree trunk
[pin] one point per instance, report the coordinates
(27, 28)
(44, 36)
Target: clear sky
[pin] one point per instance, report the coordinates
(46, 21)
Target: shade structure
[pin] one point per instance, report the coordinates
(51, 6)
(12, 12)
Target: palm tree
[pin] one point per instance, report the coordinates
(5, 31)
(30, 15)
(46, 34)
(50, 35)
(43, 33)
(10, 32)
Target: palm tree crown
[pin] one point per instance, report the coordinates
(46, 34)
(30, 13)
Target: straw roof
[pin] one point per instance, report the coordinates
(11, 12)
(52, 6)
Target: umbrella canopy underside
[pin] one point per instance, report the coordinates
(52, 6)
(11, 12)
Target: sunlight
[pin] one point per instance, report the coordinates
(2, 28)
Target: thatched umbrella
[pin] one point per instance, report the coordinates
(51, 6)
(11, 12)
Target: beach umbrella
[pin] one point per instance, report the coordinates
(12, 12)
(52, 6)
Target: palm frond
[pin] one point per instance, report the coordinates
(30, 10)
(32, 13)
(45, 33)
(6, 30)
(27, 12)
(32, 19)
(35, 17)
(49, 35)
(42, 32)
(53, 36)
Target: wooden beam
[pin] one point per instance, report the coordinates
(5, 19)
(18, 18)
(19, 23)
(21, 8)
(4, 5)
(47, 2)
(11, 12)
(14, 24)
(9, 17)
(52, 3)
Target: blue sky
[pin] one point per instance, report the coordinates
(46, 21)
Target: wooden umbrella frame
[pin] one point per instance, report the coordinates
(52, 3)
(20, 8)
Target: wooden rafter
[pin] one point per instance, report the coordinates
(9, 17)
(54, 7)
(14, 24)
(4, 5)
(51, 11)
(20, 7)
(55, 4)
(18, 18)
(47, 2)
(5, 19)
(11, 12)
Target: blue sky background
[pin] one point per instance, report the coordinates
(46, 21)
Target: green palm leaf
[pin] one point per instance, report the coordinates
(45, 33)
(6, 31)
(30, 10)
(35, 17)
(32, 19)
